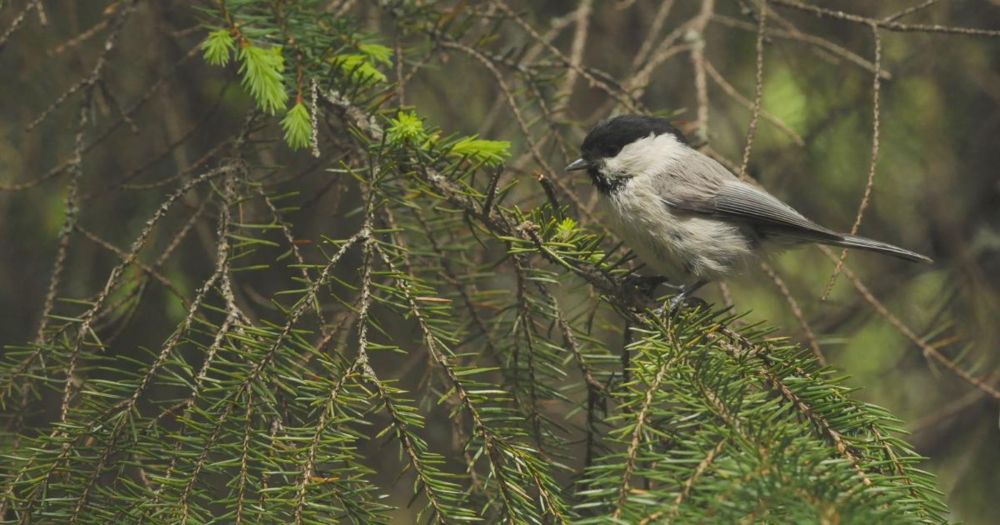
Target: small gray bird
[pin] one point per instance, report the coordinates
(685, 215)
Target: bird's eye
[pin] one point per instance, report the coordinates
(611, 151)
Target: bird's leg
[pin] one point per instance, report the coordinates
(685, 292)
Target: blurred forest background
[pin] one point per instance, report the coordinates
(935, 189)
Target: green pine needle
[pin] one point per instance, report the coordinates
(406, 127)
(262, 75)
(218, 47)
(378, 54)
(565, 229)
(361, 69)
(489, 152)
(297, 126)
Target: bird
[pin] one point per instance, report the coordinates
(685, 215)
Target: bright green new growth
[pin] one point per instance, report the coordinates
(565, 229)
(298, 126)
(218, 47)
(377, 53)
(262, 71)
(361, 68)
(489, 152)
(263, 76)
(406, 127)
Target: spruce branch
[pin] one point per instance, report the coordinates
(423, 320)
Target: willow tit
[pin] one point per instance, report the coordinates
(684, 214)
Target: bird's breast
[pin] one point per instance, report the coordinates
(673, 243)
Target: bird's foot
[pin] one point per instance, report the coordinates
(682, 298)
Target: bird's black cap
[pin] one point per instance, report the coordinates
(610, 136)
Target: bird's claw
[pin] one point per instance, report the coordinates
(676, 302)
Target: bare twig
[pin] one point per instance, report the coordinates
(641, 419)
(617, 93)
(928, 350)
(582, 21)
(758, 90)
(870, 184)
(796, 311)
(731, 91)
(659, 19)
(909, 11)
(698, 62)
(885, 24)
(19, 19)
(822, 45)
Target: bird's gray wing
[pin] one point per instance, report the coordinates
(717, 192)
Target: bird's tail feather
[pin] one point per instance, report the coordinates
(853, 241)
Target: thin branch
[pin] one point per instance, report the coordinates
(698, 62)
(581, 18)
(618, 94)
(823, 46)
(702, 467)
(910, 10)
(928, 350)
(885, 24)
(793, 305)
(870, 183)
(728, 89)
(19, 19)
(659, 19)
(88, 82)
(758, 90)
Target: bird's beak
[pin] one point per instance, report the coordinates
(578, 164)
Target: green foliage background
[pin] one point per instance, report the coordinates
(426, 318)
